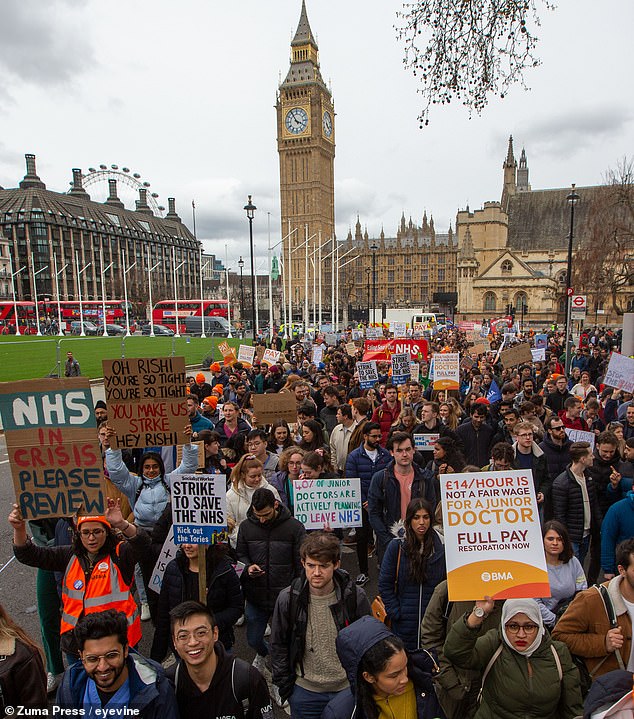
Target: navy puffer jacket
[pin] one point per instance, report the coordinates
(406, 600)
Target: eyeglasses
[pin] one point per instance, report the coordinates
(92, 532)
(91, 660)
(514, 628)
(556, 427)
(198, 634)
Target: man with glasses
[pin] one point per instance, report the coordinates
(111, 676)
(207, 681)
(556, 447)
(256, 445)
(527, 455)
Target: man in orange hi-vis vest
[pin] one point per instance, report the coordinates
(98, 568)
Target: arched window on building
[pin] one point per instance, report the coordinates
(507, 267)
(630, 305)
(561, 277)
(520, 299)
(490, 301)
(561, 305)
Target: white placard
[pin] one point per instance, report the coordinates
(168, 552)
(414, 369)
(246, 354)
(578, 435)
(425, 442)
(368, 374)
(620, 373)
(331, 339)
(539, 354)
(357, 335)
(318, 354)
(493, 539)
(199, 507)
(401, 368)
(374, 333)
(398, 329)
(328, 502)
(270, 356)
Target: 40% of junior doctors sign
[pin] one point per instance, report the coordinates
(332, 503)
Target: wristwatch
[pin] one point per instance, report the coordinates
(479, 612)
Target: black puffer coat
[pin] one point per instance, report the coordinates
(224, 598)
(568, 505)
(557, 457)
(274, 547)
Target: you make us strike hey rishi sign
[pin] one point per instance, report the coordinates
(54, 454)
(493, 540)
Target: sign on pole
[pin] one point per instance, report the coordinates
(328, 502)
(246, 354)
(54, 455)
(168, 552)
(270, 356)
(199, 507)
(401, 369)
(318, 354)
(493, 540)
(147, 405)
(368, 374)
(447, 370)
(578, 307)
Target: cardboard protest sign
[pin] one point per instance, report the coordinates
(479, 349)
(539, 354)
(246, 354)
(146, 399)
(401, 370)
(270, 357)
(199, 507)
(368, 374)
(332, 502)
(398, 329)
(269, 407)
(318, 354)
(259, 353)
(493, 540)
(578, 435)
(351, 349)
(466, 363)
(425, 442)
(382, 350)
(447, 370)
(620, 373)
(228, 355)
(168, 552)
(517, 355)
(51, 435)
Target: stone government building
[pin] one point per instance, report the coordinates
(43, 227)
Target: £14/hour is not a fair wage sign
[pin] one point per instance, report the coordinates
(493, 540)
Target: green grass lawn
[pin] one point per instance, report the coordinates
(34, 357)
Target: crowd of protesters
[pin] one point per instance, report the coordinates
(318, 650)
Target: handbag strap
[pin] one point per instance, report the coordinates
(487, 669)
(398, 565)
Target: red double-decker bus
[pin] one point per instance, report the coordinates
(164, 312)
(49, 309)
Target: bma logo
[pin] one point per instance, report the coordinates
(495, 576)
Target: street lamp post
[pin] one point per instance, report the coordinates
(149, 287)
(176, 268)
(102, 272)
(572, 200)
(82, 333)
(229, 336)
(202, 301)
(250, 209)
(125, 290)
(241, 266)
(37, 311)
(373, 249)
(59, 304)
(15, 304)
(368, 272)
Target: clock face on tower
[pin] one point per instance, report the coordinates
(327, 124)
(296, 120)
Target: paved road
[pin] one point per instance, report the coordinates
(17, 582)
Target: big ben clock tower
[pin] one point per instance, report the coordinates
(306, 145)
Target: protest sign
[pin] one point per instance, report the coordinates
(228, 355)
(351, 349)
(368, 374)
(270, 357)
(357, 334)
(269, 407)
(168, 552)
(479, 349)
(332, 502)
(201, 453)
(146, 399)
(620, 373)
(466, 363)
(414, 369)
(447, 370)
(541, 341)
(325, 329)
(54, 455)
(398, 329)
(374, 332)
(493, 540)
(578, 435)
(516, 355)
(382, 350)
(539, 354)
(425, 442)
(331, 339)
(318, 354)
(259, 353)
(199, 507)
(401, 370)
(246, 354)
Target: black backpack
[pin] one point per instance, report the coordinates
(240, 682)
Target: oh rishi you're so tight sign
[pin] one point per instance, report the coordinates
(493, 540)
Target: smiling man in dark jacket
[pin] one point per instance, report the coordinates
(268, 544)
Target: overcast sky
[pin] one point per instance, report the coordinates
(184, 93)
